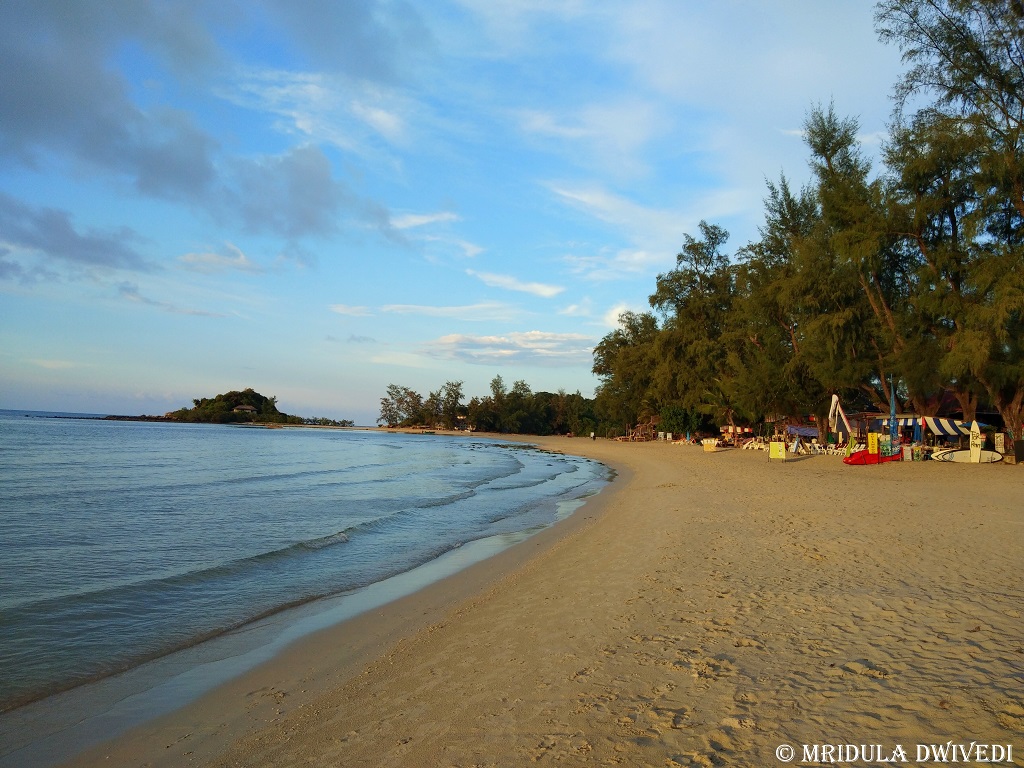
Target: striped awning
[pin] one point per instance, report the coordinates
(904, 421)
(947, 427)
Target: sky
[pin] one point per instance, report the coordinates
(317, 199)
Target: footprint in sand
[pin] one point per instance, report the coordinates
(866, 669)
(583, 674)
(710, 669)
(1012, 716)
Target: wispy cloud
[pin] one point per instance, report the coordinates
(546, 124)
(130, 292)
(54, 365)
(619, 211)
(537, 348)
(210, 262)
(609, 137)
(582, 309)
(409, 220)
(614, 265)
(356, 116)
(514, 284)
(468, 250)
(351, 311)
(482, 312)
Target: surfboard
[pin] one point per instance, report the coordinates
(963, 456)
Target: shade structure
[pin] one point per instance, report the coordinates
(946, 427)
(904, 421)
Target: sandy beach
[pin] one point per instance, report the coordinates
(705, 609)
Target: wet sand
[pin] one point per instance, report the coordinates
(703, 610)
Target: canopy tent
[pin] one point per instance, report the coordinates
(904, 421)
(940, 427)
(946, 427)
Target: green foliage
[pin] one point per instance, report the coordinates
(515, 411)
(915, 273)
(234, 408)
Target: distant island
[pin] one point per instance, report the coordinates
(245, 407)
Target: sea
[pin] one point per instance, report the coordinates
(123, 544)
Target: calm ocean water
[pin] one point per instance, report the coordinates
(122, 542)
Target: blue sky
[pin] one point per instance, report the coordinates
(317, 199)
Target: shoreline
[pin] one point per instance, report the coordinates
(702, 608)
(181, 675)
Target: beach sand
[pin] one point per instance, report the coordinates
(703, 610)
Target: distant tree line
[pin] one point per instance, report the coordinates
(914, 274)
(320, 421)
(518, 410)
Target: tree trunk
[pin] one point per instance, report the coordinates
(1013, 415)
(969, 403)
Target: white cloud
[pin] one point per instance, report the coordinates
(538, 348)
(350, 114)
(608, 266)
(469, 250)
(385, 122)
(53, 365)
(482, 312)
(345, 309)
(611, 317)
(621, 212)
(582, 309)
(513, 284)
(211, 262)
(608, 137)
(545, 124)
(509, 23)
(409, 220)
(130, 292)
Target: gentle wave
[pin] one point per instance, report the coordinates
(109, 559)
(233, 567)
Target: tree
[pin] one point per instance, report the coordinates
(623, 360)
(221, 409)
(968, 57)
(451, 402)
(402, 407)
(781, 280)
(695, 299)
